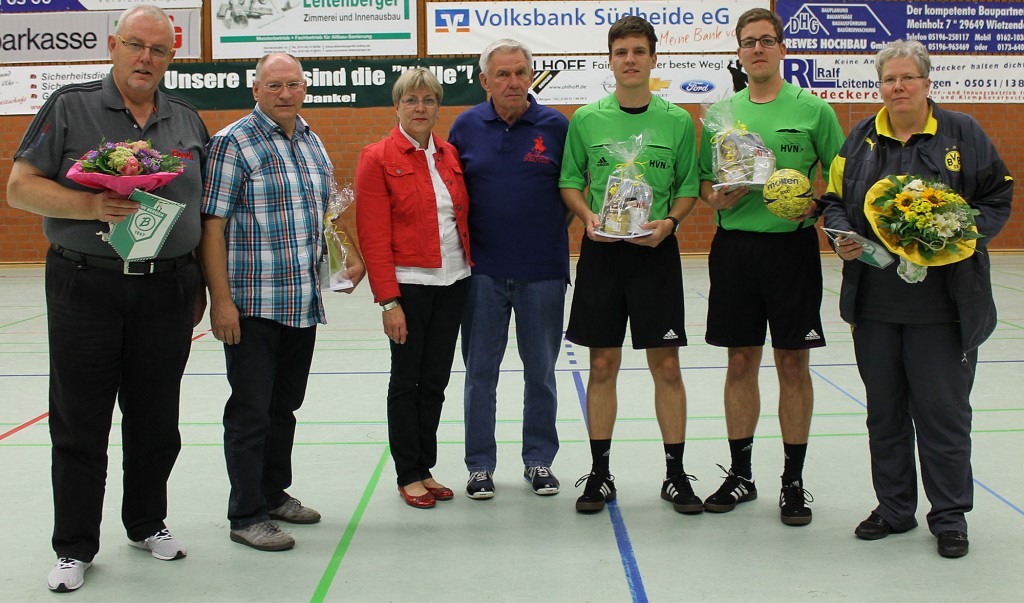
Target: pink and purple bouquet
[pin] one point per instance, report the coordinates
(125, 166)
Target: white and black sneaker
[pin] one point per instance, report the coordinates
(596, 493)
(793, 499)
(480, 485)
(67, 575)
(542, 480)
(733, 491)
(678, 491)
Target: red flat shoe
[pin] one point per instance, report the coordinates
(423, 501)
(441, 492)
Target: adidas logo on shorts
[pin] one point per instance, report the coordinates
(670, 335)
(812, 335)
(602, 162)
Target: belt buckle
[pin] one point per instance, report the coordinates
(128, 272)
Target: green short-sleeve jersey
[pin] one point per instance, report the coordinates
(800, 128)
(668, 163)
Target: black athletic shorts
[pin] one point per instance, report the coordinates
(761, 279)
(616, 282)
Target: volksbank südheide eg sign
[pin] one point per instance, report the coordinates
(682, 26)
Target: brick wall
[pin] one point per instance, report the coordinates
(346, 131)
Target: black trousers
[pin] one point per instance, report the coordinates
(268, 370)
(918, 383)
(420, 370)
(124, 338)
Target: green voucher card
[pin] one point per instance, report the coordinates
(141, 236)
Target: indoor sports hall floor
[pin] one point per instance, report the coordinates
(519, 546)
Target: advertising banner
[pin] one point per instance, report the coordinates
(690, 26)
(955, 79)
(558, 80)
(49, 6)
(82, 36)
(976, 27)
(313, 28)
(682, 79)
(336, 83)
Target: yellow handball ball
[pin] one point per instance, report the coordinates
(787, 193)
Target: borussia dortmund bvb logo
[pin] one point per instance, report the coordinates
(146, 223)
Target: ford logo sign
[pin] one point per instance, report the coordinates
(697, 86)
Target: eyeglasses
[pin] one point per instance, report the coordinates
(891, 80)
(157, 52)
(412, 101)
(766, 42)
(276, 87)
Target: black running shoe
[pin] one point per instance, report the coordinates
(677, 490)
(733, 491)
(792, 504)
(596, 493)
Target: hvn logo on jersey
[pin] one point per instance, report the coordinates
(447, 20)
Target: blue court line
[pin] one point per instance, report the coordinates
(629, 566)
(636, 583)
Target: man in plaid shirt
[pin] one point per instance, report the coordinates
(263, 210)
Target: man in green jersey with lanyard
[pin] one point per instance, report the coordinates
(765, 270)
(639, 280)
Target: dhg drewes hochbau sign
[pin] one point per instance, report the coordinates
(690, 26)
(943, 27)
(82, 36)
(313, 28)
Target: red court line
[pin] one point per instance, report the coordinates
(200, 335)
(24, 425)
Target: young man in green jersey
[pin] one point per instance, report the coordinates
(766, 271)
(639, 280)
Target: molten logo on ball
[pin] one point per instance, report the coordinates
(787, 193)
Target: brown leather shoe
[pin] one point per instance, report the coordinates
(423, 501)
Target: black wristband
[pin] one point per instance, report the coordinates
(675, 223)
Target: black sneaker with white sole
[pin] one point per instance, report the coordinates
(678, 491)
(733, 491)
(542, 480)
(596, 493)
(793, 501)
(480, 485)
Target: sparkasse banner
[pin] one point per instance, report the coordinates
(82, 36)
(49, 6)
(682, 26)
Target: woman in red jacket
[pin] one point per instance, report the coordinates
(411, 220)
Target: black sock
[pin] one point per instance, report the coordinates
(741, 451)
(600, 450)
(794, 469)
(674, 459)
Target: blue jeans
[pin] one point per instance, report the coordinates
(268, 370)
(539, 309)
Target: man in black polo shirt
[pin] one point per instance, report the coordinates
(117, 331)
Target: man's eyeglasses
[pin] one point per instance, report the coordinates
(276, 87)
(157, 52)
(766, 42)
(891, 80)
(412, 101)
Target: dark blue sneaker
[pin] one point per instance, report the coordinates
(480, 485)
(542, 480)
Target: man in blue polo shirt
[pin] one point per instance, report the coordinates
(511, 150)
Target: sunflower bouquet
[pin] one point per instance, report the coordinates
(924, 222)
(125, 166)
